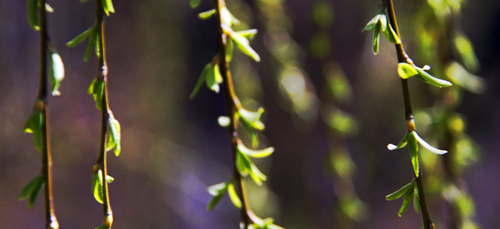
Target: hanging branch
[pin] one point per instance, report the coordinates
(406, 69)
(38, 123)
(110, 127)
(215, 73)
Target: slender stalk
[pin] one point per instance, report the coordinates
(50, 216)
(102, 75)
(232, 103)
(410, 120)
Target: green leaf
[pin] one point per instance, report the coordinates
(107, 6)
(342, 121)
(413, 145)
(217, 191)
(408, 197)
(233, 196)
(466, 51)
(257, 175)
(248, 34)
(114, 135)
(49, 8)
(459, 75)
(383, 22)
(32, 11)
(56, 73)
(406, 71)
(80, 38)
(212, 76)
(28, 189)
(243, 164)
(96, 89)
(207, 14)
(92, 42)
(98, 186)
(372, 23)
(400, 145)
(229, 50)
(194, 3)
(34, 192)
(428, 78)
(252, 117)
(227, 18)
(376, 40)
(244, 45)
(427, 146)
(254, 153)
(109, 179)
(391, 35)
(102, 227)
(416, 199)
(200, 82)
(397, 194)
(34, 125)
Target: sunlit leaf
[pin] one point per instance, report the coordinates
(102, 226)
(391, 35)
(114, 135)
(413, 146)
(257, 175)
(408, 197)
(428, 78)
(400, 145)
(372, 23)
(107, 6)
(342, 122)
(207, 14)
(217, 191)
(376, 40)
(252, 117)
(243, 164)
(227, 18)
(96, 89)
(243, 44)
(32, 11)
(397, 194)
(406, 71)
(233, 196)
(248, 34)
(459, 75)
(56, 73)
(466, 51)
(194, 3)
(254, 153)
(427, 146)
(229, 50)
(49, 8)
(34, 125)
(98, 186)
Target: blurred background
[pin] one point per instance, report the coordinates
(331, 109)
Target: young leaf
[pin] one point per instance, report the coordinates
(107, 6)
(114, 135)
(428, 78)
(466, 51)
(34, 125)
(372, 23)
(244, 45)
(200, 81)
(408, 197)
(400, 145)
(395, 195)
(229, 50)
(96, 89)
(98, 187)
(243, 164)
(413, 145)
(390, 34)
(28, 189)
(254, 153)
(406, 71)
(217, 191)
(416, 199)
(32, 10)
(34, 193)
(211, 77)
(427, 146)
(49, 8)
(80, 38)
(233, 196)
(102, 226)
(248, 34)
(257, 175)
(252, 117)
(194, 3)
(376, 40)
(227, 18)
(56, 73)
(383, 22)
(207, 14)
(92, 43)
(109, 179)
(459, 75)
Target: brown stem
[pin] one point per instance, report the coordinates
(50, 216)
(232, 103)
(403, 57)
(102, 75)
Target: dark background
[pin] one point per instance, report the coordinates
(173, 148)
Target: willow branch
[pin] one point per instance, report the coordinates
(403, 57)
(232, 103)
(102, 75)
(50, 216)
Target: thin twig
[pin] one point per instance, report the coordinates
(50, 216)
(232, 103)
(403, 57)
